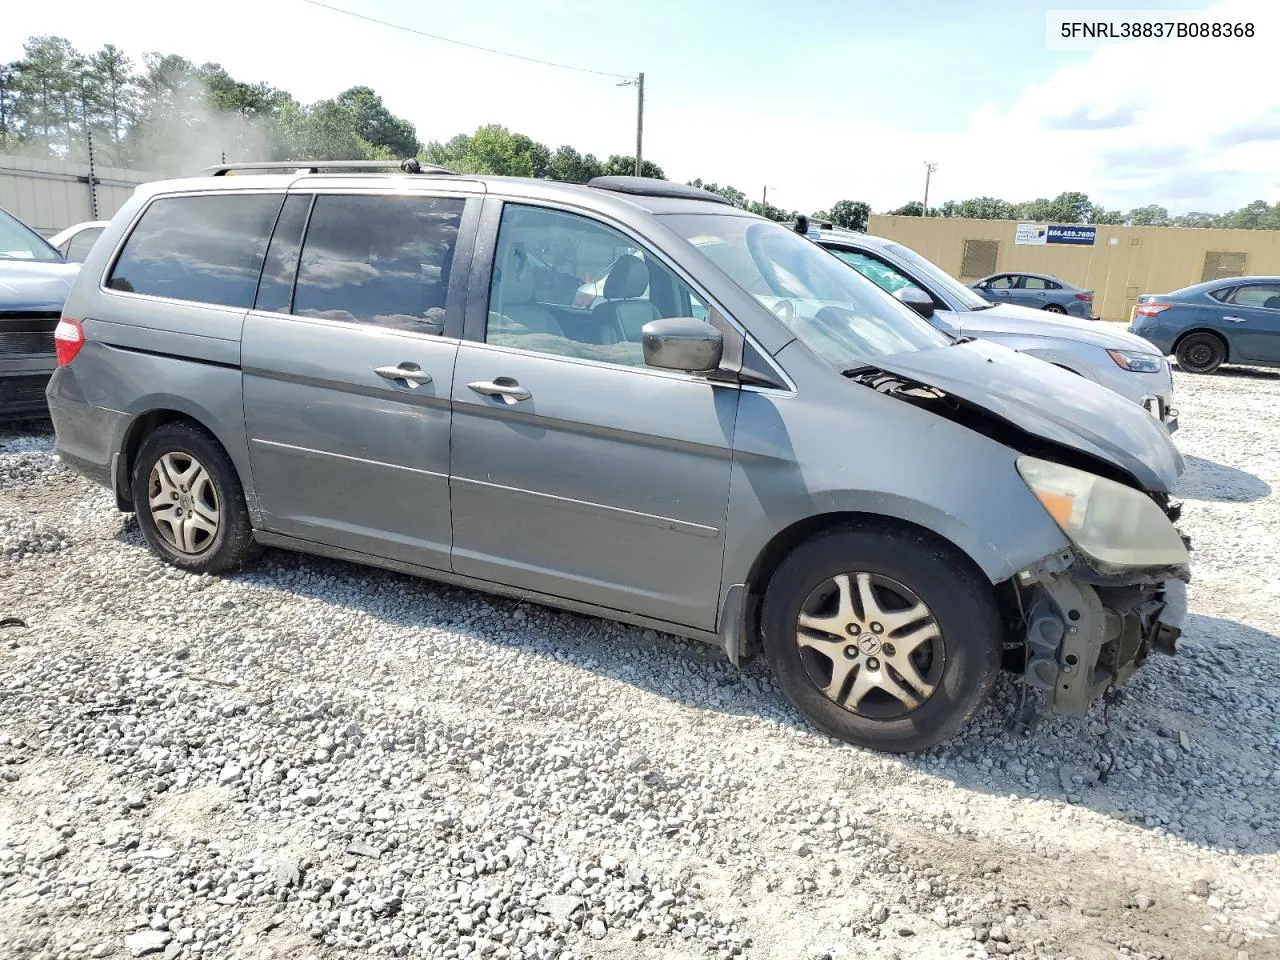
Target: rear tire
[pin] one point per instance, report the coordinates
(1054, 308)
(1200, 353)
(846, 655)
(189, 502)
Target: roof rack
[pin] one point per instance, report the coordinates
(649, 187)
(410, 165)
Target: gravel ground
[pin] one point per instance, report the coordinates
(314, 759)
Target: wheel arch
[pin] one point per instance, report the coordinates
(149, 418)
(1216, 334)
(740, 613)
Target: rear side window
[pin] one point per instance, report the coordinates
(379, 259)
(276, 288)
(207, 249)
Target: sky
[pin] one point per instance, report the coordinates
(819, 101)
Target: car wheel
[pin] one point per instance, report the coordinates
(189, 501)
(880, 638)
(1054, 308)
(1200, 353)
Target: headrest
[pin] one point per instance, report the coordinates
(1273, 303)
(628, 279)
(516, 277)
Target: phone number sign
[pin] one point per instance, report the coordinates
(1038, 234)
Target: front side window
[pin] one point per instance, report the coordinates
(383, 260)
(573, 287)
(206, 249)
(877, 271)
(836, 312)
(937, 278)
(80, 245)
(19, 242)
(1266, 295)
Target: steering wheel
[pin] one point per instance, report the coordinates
(786, 310)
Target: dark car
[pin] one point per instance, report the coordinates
(34, 281)
(1233, 320)
(1040, 291)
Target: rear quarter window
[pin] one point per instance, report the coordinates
(206, 249)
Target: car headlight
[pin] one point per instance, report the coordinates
(1136, 362)
(1112, 524)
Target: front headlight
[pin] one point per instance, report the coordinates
(1110, 523)
(1136, 362)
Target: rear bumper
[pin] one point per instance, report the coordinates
(86, 436)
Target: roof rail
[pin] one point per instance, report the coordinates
(410, 165)
(650, 187)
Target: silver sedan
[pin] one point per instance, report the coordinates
(1039, 291)
(1104, 353)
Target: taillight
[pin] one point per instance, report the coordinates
(1086, 297)
(68, 338)
(1151, 309)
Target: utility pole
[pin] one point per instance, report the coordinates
(764, 200)
(928, 172)
(638, 83)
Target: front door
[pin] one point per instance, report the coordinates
(577, 471)
(1251, 321)
(347, 373)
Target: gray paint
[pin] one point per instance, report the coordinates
(636, 493)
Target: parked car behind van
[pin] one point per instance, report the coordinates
(34, 281)
(1235, 320)
(1119, 360)
(391, 369)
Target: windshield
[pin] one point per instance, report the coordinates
(936, 276)
(836, 312)
(18, 242)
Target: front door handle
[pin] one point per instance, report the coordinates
(505, 387)
(1235, 319)
(410, 373)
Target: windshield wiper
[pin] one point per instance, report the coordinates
(963, 339)
(985, 306)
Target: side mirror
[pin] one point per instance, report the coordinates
(682, 343)
(916, 299)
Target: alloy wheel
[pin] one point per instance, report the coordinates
(871, 645)
(184, 502)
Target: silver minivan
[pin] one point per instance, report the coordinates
(739, 439)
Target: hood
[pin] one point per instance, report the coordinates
(1007, 318)
(1050, 403)
(35, 287)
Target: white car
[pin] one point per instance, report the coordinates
(77, 240)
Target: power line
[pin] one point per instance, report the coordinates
(461, 43)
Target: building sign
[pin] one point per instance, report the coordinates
(1034, 234)
(1073, 234)
(1038, 234)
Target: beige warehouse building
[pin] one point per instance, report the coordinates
(1120, 264)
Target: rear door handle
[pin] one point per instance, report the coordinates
(1235, 319)
(505, 387)
(410, 373)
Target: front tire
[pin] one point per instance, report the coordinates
(1201, 353)
(189, 502)
(882, 638)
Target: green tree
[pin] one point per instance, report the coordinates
(377, 125)
(1148, 216)
(8, 98)
(116, 95)
(912, 209)
(1102, 216)
(850, 214)
(1069, 207)
(620, 166)
(46, 86)
(568, 165)
(732, 194)
(1195, 219)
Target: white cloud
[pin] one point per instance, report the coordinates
(1110, 125)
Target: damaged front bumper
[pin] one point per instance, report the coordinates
(1088, 631)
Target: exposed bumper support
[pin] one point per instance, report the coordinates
(1082, 639)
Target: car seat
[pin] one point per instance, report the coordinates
(622, 308)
